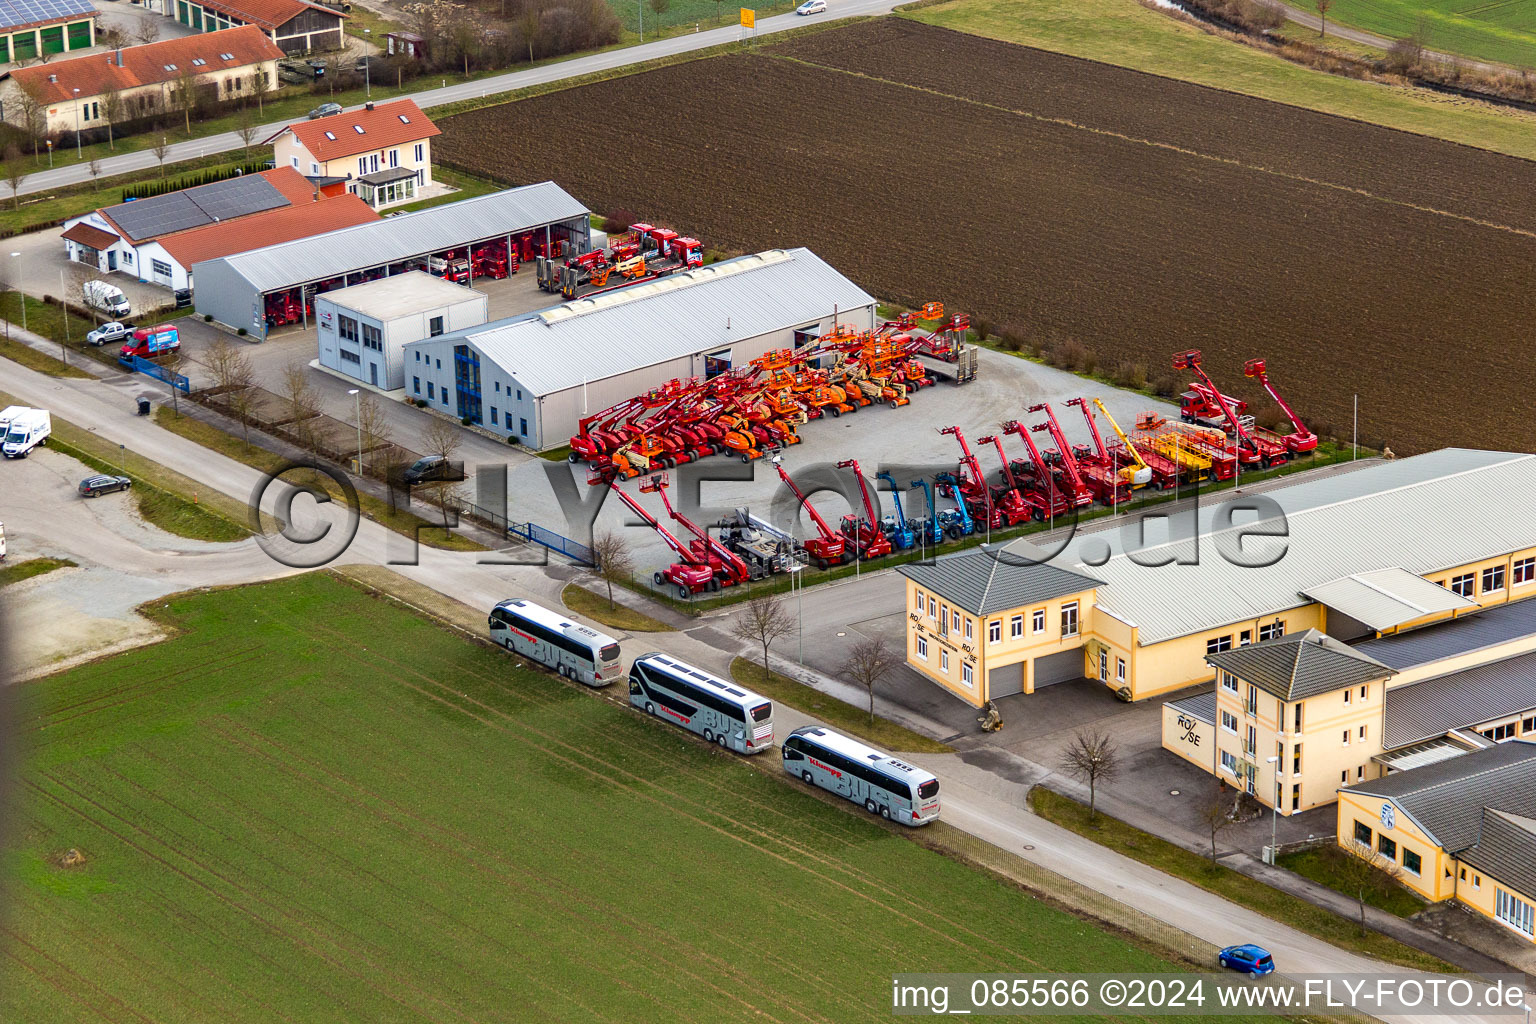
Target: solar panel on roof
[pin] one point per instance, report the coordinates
(30, 12)
(194, 207)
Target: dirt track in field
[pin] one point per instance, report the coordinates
(1074, 200)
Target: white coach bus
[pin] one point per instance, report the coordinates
(721, 712)
(575, 651)
(885, 786)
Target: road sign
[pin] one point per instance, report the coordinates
(748, 18)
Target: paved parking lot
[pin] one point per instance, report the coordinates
(35, 263)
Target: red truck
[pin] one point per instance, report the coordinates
(149, 342)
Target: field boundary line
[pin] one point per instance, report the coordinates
(1155, 144)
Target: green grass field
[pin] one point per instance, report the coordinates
(1496, 30)
(310, 805)
(1125, 33)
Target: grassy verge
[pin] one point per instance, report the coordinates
(274, 754)
(559, 454)
(170, 510)
(1325, 865)
(1229, 884)
(838, 714)
(580, 599)
(468, 186)
(1126, 33)
(15, 572)
(381, 512)
(1505, 33)
(32, 359)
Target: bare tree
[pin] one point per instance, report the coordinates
(31, 115)
(114, 109)
(303, 406)
(765, 619)
(187, 83)
(80, 277)
(94, 166)
(613, 560)
(1323, 7)
(441, 437)
(15, 173)
(373, 425)
(659, 7)
(868, 662)
(529, 21)
(160, 150)
(174, 363)
(247, 128)
(147, 31)
(447, 495)
(1216, 814)
(1091, 757)
(1365, 871)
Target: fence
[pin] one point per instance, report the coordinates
(163, 373)
(530, 531)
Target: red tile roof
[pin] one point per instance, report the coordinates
(262, 229)
(269, 14)
(290, 184)
(95, 73)
(86, 234)
(387, 124)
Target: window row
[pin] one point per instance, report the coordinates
(951, 620)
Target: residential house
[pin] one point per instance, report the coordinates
(383, 150)
(293, 25)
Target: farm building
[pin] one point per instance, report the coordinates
(144, 79)
(38, 28)
(383, 152)
(523, 375)
(1462, 829)
(364, 329)
(158, 239)
(292, 25)
(271, 287)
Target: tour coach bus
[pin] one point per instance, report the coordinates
(885, 786)
(575, 651)
(721, 712)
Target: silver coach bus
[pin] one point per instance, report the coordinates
(885, 786)
(721, 712)
(575, 651)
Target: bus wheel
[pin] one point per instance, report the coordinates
(650, 708)
(885, 812)
(709, 737)
(720, 739)
(869, 805)
(806, 776)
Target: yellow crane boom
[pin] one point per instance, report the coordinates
(1130, 448)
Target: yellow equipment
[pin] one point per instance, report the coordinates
(1139, 474)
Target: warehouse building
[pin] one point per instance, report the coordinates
(1365, 553)
(41, 28)
(294, 26)
(274, 286)
(1462, 829)
(534, 376)
(363, 330)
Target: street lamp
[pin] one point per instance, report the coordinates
(1274, 827)
(77, 124)
(367, 66)
(358, 403)
(797, 584)
(23, 297)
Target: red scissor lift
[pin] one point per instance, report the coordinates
(869, 540)
(1254, 446)
(828, 547)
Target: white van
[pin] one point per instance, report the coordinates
(107, 297)
(29, 429)
(9, 413)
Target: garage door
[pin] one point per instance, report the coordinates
(1058, 668)
(1005, 681)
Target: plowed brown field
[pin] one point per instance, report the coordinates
(1075, 200)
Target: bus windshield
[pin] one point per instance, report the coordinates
(761, 712)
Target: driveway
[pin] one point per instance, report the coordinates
(36, 263)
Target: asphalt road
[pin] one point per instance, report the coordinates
(976, 801)
(58, 177)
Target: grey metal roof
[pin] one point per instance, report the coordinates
(401, 294)
(15, 13)
(1202, 706)
(393, 239)
(1498, 624)
(1384, 598)
(1422, 754)
(1433, 707)
(683, 314)
(1447, 799)
(987, 581)
(195, 207)
(1300, 665)
(1390, 514)
(1506, 849)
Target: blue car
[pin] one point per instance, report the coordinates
(1249, 959)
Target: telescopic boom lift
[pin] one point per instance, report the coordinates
(869, 539)
(689, 576)
(1300, 439)
(829, 548)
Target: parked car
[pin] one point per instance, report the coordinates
(1247, 959)
(325, 110)
(430, 467)
(812, 7)
(107, 297)
(109, 332)
(91, 486)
